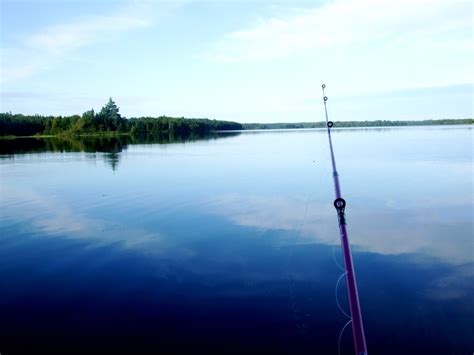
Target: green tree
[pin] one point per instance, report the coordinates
(89, 120)
(110, 116)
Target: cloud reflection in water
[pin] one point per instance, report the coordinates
(385, 230)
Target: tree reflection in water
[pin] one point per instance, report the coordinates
(111, 146)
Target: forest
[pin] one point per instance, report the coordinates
(108, 120)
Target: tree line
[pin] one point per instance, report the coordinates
(344, 124)
(107, 120)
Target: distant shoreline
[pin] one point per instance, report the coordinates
(262, 126)
(361, 124)
(109, 122)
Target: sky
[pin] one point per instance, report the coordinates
(247, 61)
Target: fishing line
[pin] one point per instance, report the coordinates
(337, 299)
(340, 336)
(355, 316)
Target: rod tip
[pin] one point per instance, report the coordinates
(323, 86)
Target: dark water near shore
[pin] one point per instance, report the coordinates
(224, 244)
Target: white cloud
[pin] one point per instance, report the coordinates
(356, 47)
(347, 22)
(59, 39)
(42, 50)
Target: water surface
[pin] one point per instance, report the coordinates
(227, 244)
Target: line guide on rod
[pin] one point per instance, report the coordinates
(358, 332)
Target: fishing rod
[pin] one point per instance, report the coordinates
(358, 333)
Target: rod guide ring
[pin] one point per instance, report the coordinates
(339, 203)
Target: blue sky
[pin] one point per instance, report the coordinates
(250, 61)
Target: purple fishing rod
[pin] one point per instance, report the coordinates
(340, 204)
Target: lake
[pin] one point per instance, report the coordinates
(229, 244)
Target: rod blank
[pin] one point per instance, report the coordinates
(358, 332)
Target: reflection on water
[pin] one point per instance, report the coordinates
(226, 245)
(112, 145)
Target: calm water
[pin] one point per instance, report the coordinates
(226, 245)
